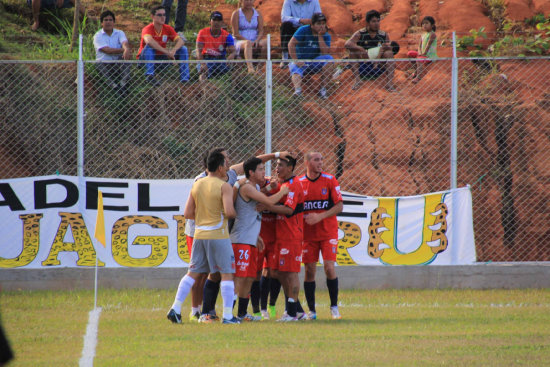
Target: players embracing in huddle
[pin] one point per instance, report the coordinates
(305, 210)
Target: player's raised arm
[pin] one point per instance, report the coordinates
(248, 191)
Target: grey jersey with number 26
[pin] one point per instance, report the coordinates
(248, 221)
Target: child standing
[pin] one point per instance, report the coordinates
(427, 48)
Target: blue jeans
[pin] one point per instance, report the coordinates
(309, 67)
(181, 13)
(215, 68)
(149, 53)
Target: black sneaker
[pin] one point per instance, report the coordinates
(173, 316)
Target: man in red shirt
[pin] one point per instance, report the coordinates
(154, 39)
(323, 201)
(214, 43)
(289, 235)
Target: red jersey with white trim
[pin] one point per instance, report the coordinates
(320, 195)
(166, 34)
(292, 227)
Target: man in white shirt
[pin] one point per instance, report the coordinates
(111, 44)
(294, 14)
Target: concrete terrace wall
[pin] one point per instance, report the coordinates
(480, 276)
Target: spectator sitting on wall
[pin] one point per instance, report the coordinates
(111, 44)
(36, 5)
(248, 30)
(154, 39)
(372, 43)
(214, 43)
(294, 14)
(308, 43)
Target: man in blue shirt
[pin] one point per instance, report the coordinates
(311, 42)
(294, 14)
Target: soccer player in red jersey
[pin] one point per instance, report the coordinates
(323, 201)
(289, 235)
(269, 286)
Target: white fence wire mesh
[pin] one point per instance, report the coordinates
(378, 142)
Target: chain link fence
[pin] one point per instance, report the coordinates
(378, 141)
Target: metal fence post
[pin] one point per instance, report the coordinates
(268, 95)
(454, 114)
(80, 110)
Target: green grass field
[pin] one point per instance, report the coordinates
(388, 328)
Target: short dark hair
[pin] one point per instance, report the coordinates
(155, 8)
(207, 153)
(372, 14)
(290, 161)
(105, 14)
(215, 160)
(251, 165)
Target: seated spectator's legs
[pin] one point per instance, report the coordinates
(182, 54)
(123, 71)
(107, 71)
(215, 69)
(327, 69)
(246, 46)
(297, 73)
(287, 31)
(149, 53)
(115, 74)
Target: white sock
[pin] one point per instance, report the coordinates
(183, 290)
(194, 310)
(227, 288)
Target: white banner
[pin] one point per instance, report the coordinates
(50, 221)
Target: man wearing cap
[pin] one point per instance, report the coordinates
(372, 43)
(294, 14)
(311, 42)
(154, 39)
(214, 43)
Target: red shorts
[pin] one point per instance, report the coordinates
(289, 256)
(329, 249)
(189, 241)
(414, 54)
(269, 258)
(246, 258)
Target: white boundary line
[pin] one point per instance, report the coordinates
(90, 339)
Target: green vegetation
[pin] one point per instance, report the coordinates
(380, 327)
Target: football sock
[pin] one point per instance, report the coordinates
(228, 291)
(275, 288)
(183, 290)
(194, 310)
(309, 290)
(332, 285)
(265, 284)
(243, 305)
(291, 307)
(210, 293)
(255, 296)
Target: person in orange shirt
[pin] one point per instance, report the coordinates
(214, 43)
(154, 39)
